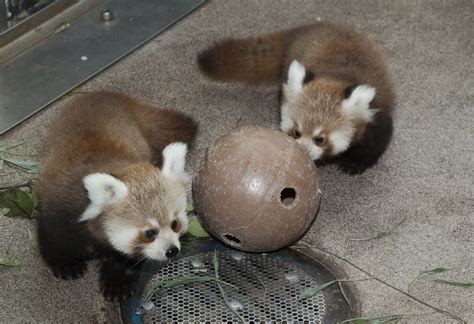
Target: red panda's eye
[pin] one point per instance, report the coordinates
(296, 134)
(174, 225)
(151, 234)
(318, 140)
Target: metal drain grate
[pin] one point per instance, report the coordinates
(268, 291)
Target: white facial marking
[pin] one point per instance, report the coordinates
(183, 218)
(103, 190)
(121, 236)
(296, 74)
(174, 159)
(153, 222)
(317, 131)
(314, 151)
(156, 250)
(340, 140)
(286, 123)
(357, 105)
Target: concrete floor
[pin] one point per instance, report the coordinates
(426, 176)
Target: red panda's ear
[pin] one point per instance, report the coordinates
(102, 190)
(174, 159)
(296, 77)
(348, 91)
(308, 77)
(357, 105)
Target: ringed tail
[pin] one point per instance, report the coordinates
(251, 59)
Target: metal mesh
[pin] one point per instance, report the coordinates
(268, 289)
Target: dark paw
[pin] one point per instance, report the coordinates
(70, 271)
(118, 291)
(352, 168)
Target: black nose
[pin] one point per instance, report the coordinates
(172, 252)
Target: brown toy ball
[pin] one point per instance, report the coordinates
(256, 190)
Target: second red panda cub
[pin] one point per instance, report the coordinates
(336, 98)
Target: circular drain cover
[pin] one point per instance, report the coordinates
(265, 287)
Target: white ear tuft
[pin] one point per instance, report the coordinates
(174, 159)
(357, 105)
(286, 122)
(296, 74)
(103, 189)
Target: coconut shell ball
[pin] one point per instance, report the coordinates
(256, 190)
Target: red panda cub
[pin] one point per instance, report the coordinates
(336, 97)
(113, 187)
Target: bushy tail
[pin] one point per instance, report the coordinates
(250, 59)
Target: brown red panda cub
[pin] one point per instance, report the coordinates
(103, 194)
(337, 95)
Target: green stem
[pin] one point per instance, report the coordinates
(441, 311)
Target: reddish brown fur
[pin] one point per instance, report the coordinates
(110, 133)
(343, 54)
(104, 131)
(325, 49)
(252, 59)
(336, 59)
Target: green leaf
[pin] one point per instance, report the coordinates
(215, 263)
(434, 271)
(379, 235)
(190, 208)
(454, 283)
(195, 229)
(221, 289)
(169, 283)
(17, 203)
(310, 292)
(10, 261)
(344, 294)
(27, 166)
(374, 320)
(12, 146)
(34, 197)
(33, 240)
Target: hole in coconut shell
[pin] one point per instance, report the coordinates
(288, 196)
(231, 239)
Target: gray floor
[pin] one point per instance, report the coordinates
(426, 175)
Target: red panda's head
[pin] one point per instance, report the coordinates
(141, 210)
(324, 115)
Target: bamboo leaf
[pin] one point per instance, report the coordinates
(221, 289)
(215, 263)
(12, 146)
(24, 165)
(374, 320)
(169, 283)
(381, 234)
(33, 240)
(10, 261)
(195, 228)
(310, 292)
(434, 271)
(455, 283)
(344, 294)
(17, 203)
(190, 208)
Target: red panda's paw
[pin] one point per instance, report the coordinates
(352, 168)
(117, 291)
(70, 271)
